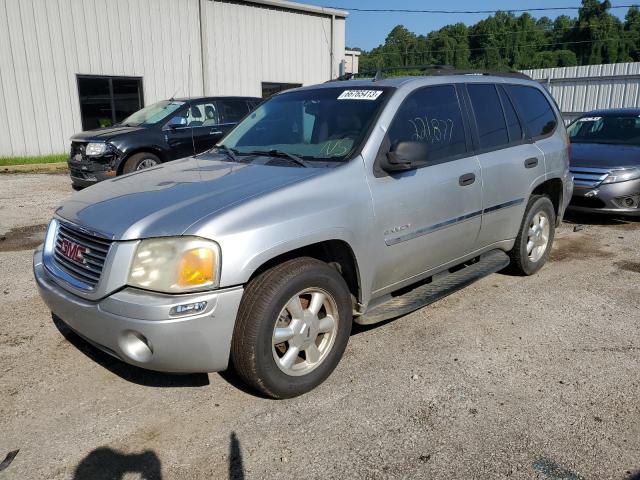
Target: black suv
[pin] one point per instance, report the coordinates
(164, 131)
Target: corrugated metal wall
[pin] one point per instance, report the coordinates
(246, 44)
(580, 89)
(44, 44)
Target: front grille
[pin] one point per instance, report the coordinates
(588, 177)
(85, 263)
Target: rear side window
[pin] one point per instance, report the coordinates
(513, 124)
(534, 109)
(492, 129)
(431, 115)
(233, 110)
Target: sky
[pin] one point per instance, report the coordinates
(368, 30)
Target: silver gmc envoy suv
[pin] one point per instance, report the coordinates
(358, 200)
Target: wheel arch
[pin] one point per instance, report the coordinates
(335, 252)
(552, 188)
(157, 151)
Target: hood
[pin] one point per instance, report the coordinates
(603, 155)
(104, 134)
(167, 199)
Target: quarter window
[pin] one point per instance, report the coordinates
(431, 115)
(513, 124)
(534, 109)
(492, 129)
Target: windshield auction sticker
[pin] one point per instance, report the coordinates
(589, 119)
(360, 94)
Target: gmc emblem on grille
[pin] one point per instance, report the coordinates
(73, 251)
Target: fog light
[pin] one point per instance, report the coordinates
(632, 201)
(187, 308)
(135, 346)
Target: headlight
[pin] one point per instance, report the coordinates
(622, 175)
(94, 149)
(176, 265)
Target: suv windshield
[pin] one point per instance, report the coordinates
(624, 129)
(323, 124)
(153, 113)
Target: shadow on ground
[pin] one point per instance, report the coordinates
(130, 373)
(107, 464)
(576, 218)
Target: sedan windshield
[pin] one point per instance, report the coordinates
(623, 129)
(324, 124)
(153, 113)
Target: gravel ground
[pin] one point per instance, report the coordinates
(532, 377)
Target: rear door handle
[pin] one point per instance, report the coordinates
(215, 132)
(531, 162)
(467, 179)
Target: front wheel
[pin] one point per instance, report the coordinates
(292, 327)
(140, 161)
(535, 239)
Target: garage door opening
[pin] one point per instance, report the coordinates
(105, 101)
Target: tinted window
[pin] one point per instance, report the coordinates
(432, 116)
(534, 109)
(487, 110)
(233, 110)
(513, 124)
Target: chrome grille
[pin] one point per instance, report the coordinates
(588, 177)
(87, 266)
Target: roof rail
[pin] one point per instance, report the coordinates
(427, 70)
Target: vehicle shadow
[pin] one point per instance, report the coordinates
(130, 373)
(107, 464)
(580, 218)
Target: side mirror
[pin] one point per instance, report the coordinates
(405, 156)
(177, 122)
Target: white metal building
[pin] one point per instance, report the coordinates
(580, 89)
(69, 64)
(352, 61)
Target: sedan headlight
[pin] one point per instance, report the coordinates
(622, 175)
(94, 149)
(176, 265)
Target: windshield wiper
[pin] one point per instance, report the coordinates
(281, 154)
(230, 152)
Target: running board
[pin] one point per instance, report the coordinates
(423, 295)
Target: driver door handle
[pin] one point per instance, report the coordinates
(467, 179)
(215, 132)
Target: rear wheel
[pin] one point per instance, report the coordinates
(535, 239)
(292, 328)
(140, 161)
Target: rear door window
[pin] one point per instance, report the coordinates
(534, 109)
(513, 123)
(431, 115)
(487, 110)
(233, 110)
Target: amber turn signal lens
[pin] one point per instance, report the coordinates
(196, 267)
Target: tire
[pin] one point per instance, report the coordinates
(137, 160)
(524, 262)
(266, 304)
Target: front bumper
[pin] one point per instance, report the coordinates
(135, 326)
(606, 198)
(85, 173)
